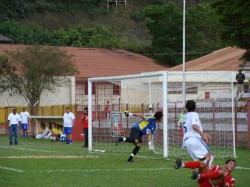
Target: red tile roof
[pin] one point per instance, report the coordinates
(104, 62)
(226, 59)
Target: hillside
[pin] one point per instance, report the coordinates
(127, 21)
(85, 23)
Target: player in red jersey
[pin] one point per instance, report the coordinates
(214, 176)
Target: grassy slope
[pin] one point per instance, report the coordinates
(94, 169)
(118, 19)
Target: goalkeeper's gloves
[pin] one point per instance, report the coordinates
(127, 114)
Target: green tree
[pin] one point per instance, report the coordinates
(32, 70)
(165, 26)
(10, 9)
(202, 27)
(235, 21)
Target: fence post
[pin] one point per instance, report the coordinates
(248, 124)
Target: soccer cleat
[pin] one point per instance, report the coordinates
(195, 175)
(130, 161)
(178, 163)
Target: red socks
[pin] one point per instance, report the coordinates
(192, 165)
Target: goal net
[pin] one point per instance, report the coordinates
(109, 97)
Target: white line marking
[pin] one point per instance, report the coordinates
(152, 158)
(52, 156)
(244, 168)
(11, 169)
(96, 150)
(105, 170)
(28, 149)
(138, 156)
(101, 170)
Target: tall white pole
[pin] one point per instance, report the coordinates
(90, 115)
(165, 114)
(184, 53)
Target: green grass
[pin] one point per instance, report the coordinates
(95, 169)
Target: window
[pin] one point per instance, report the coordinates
(116, 89)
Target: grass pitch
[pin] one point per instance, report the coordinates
(44, 163)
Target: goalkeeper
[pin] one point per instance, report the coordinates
(146, 126)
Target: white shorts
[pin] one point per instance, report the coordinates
(240, 87)
(196, 148)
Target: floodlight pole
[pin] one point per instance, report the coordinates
(150, 95)
(90, 115)
(184, 53)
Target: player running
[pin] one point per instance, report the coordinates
(194, 135)
(146, 126)
(207, 176)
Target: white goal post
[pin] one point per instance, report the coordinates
(212, 91)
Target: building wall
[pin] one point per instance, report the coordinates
(62, 95)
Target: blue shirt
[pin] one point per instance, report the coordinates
(147, 124)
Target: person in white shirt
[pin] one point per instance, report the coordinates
(68, 123)
(195, 140)
(14, 121)
(25, 121)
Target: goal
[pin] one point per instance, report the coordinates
(167, 92)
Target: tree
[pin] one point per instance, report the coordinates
(235, 21)
(165, 26)
(202, 27)
(32, 70)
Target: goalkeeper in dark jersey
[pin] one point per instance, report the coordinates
(146, 126)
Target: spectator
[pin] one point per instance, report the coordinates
(25, 121)
(55, 131)
(107, 110)
(48, 132)
(60, 129)
(41, 132)
(14, 120)
(85, 123)
(240, 77)
(69, 121)
(59, 132)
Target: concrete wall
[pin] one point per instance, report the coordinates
(63, 94)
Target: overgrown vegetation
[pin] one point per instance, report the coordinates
(234, 17)
(149, 27)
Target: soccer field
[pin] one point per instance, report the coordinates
(44, 163)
